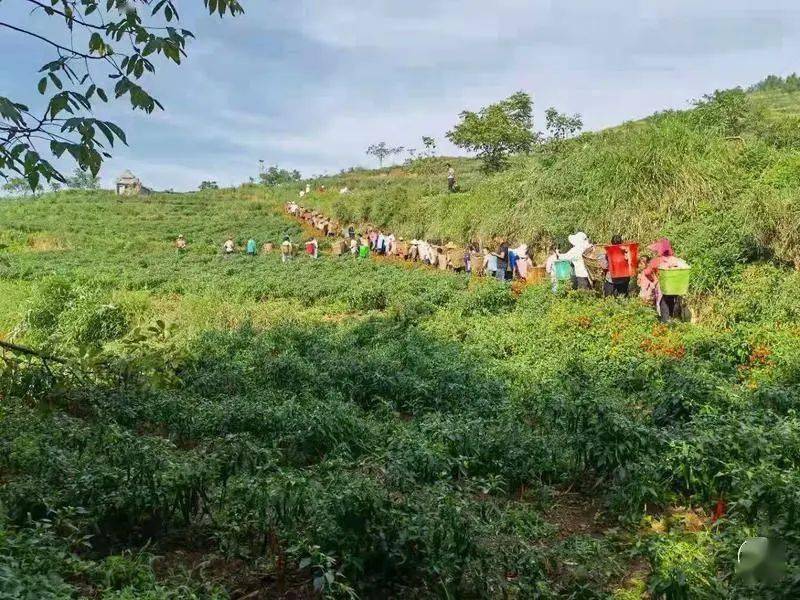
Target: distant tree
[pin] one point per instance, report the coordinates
(277, 176)
(19, 186)
(381, 151)
(726, 110)
(773, 83)
(430, 145)
(560, 127)
(83, 180)
(55, 185)
(209, 185)
(92, 44)
(497, 130)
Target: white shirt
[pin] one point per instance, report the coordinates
(229, 246)
(575, 256)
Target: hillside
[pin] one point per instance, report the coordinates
(241, 428)
(721, 180)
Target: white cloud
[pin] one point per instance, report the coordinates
(309, 85)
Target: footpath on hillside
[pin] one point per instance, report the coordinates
(613, 270)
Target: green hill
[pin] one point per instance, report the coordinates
(229, 427)
(721, 180)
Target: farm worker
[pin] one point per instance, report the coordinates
(614, 286)
(351, 232)
(549, 266)
(353, 246)
(456, 257)
(442, 258)
(489, 263)
(433, 255)
(423, 249)
(580, 244)
(373, 239)
(380, 243)
(363, 250)
(228, 247)
(391, 244)
(251, 247)
(413, 251)
(287, 250)
(344, 190)
(502, 259)
(312, 247)
(667, 307)
(180, 243)
(308, 188)
(475, 263)
(523, 262)
(401, 248)
(451, 178)
(302, 193)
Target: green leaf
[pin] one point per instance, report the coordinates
(54, 78)
(119, 133)
(42, 85)
(101, 92)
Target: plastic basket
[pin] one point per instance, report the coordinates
(623, 259)
(674, 282)
(563, 270)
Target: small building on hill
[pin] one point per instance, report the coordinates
(129, 185)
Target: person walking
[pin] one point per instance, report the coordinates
(550, 266)
(667, 307)
(614, 286)
(363, 250)
(580, 244)
(502, 259)
(451, 178)
(489, 263)
(312, 248)
(180, 244)
(251, 247)
(287, 250)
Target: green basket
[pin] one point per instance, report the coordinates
(674, 282)
(563, 270)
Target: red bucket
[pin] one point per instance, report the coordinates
(310, 248)
(623, 259)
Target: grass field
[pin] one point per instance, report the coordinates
(236, 427)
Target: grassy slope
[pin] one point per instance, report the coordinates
(414, 422)
(674, 173)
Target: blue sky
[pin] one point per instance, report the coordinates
(309, 85)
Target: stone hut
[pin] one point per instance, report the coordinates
(129, 185)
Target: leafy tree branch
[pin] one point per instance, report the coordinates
(111, 49)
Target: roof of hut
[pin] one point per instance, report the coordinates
(127, 177)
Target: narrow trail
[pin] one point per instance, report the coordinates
(537, 275)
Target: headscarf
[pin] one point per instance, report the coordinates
(662, 247)
(579, 240)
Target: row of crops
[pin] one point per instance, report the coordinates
(343, 428)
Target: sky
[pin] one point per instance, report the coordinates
(309, 85)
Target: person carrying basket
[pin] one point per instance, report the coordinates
(665, 281)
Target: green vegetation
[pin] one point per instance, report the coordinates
(357, 427)
(720, 180)
(497, 130)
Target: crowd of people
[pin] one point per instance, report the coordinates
(565, 267)
(613, 268)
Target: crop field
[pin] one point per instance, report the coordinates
(235, 427)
